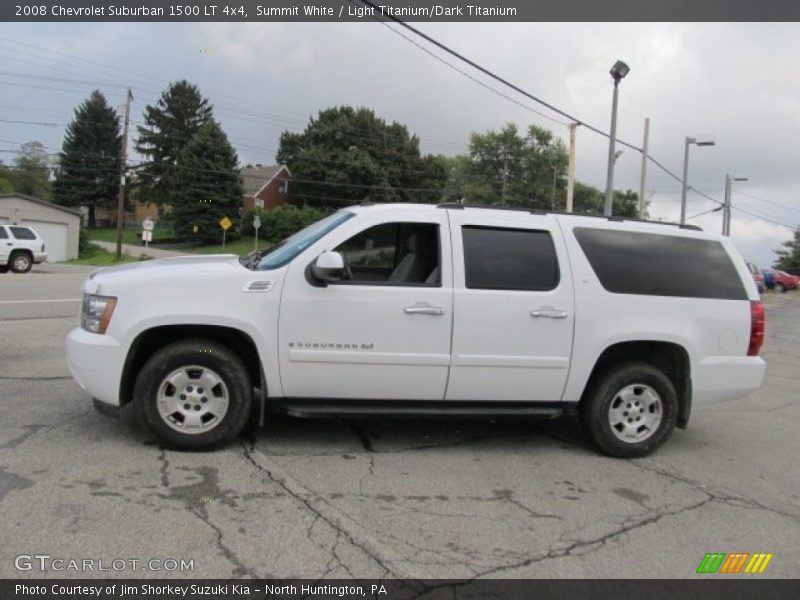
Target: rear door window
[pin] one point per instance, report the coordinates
(3, 234)
(497, 258)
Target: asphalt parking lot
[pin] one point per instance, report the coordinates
(418, 499)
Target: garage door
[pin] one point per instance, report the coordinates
(54, 236)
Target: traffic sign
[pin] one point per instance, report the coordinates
(225, 223)
(148, 224)
(256, 222)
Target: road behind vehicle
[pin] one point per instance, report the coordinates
(20, 248)
(398, 310)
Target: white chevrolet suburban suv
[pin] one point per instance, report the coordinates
(449, 310)
(20, 248)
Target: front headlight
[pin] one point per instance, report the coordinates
(96, 312)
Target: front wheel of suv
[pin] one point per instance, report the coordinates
(630, 411)
(194, 394)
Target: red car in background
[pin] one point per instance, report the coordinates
(784, 281)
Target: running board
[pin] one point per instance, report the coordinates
(345, 408)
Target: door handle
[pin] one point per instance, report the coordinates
(549, 314)
(424, 310)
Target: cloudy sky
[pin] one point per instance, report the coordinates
(737, 82)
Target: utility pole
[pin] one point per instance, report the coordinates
(571, 166)
(122, 175)
(505, 181)
(726, 206)
(645, 149)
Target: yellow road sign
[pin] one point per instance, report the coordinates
(225, 223)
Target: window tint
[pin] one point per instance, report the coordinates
(393, 254)
(22, 233)
(509, 259)
(3, 234)
(629, 262)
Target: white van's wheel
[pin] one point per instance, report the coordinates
(630, 411)
(194, 394)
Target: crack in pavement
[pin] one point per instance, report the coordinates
(200, 511)
(726, 498)
(33, 378)
(333, 523)
(596, 543)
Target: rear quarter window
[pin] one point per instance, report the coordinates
(22, 233)
(632, 262)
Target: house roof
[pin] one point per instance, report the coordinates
(42, 202)
(256, 178)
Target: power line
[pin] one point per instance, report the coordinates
(717, 209)
(519, 90)
(778, 204)
(747, 212)
(29, 123)
(467, 75)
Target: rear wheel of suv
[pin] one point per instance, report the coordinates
(630, 411)
(194, 394)
(20, 262)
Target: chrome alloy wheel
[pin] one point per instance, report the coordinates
(192, 399)
(635, 413)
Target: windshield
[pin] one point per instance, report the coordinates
(283, 252)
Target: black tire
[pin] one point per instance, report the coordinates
(20, 261)
(629, 380)
(3, 268)
(780, 288)
(185, 354)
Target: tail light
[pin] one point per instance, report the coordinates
(756, 327)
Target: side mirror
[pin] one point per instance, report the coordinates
(328, 267)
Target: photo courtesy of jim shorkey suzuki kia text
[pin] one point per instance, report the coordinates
(193, 590)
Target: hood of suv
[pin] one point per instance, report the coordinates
(150, 271)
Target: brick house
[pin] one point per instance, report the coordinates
(265, 187)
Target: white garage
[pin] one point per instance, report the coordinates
(57, 225)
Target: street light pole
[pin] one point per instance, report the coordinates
(618, 72)
(685, 186)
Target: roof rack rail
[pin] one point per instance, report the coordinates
(543, 211)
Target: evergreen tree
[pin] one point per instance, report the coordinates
(88, 172)
(208, 185)
(170, 125)
(789, 259)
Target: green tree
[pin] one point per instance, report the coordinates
(169, 126)
(587, 199)
(88, 172)
(789, 256)
(208, 185)
(519, 170)
(31, 171)
(347, 155)
(5, 179)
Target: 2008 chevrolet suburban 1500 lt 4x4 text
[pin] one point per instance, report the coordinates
(426, 310)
